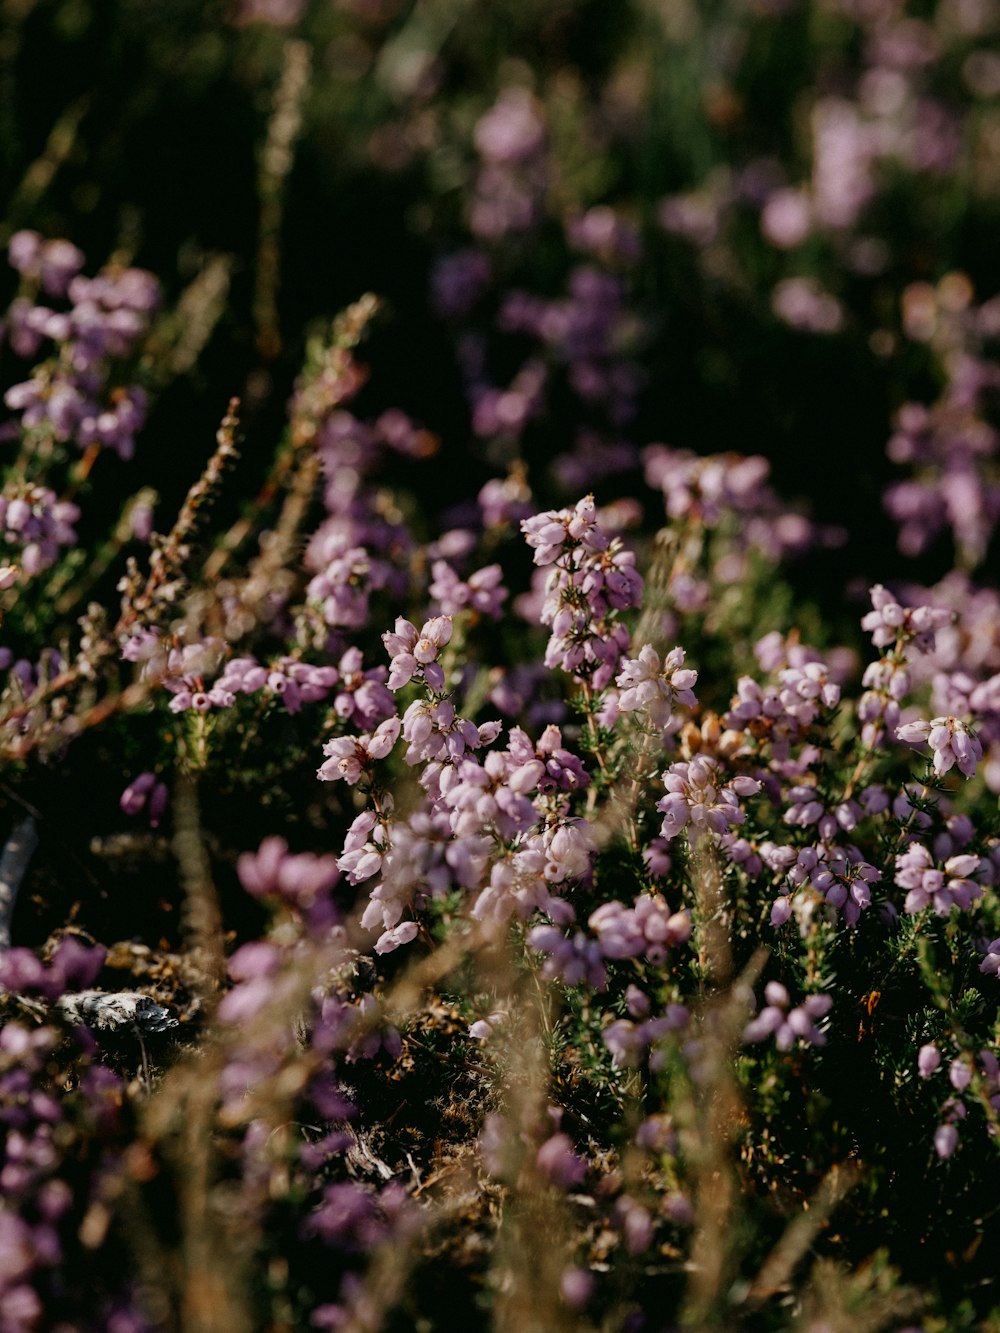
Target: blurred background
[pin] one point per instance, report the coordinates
(760, 227)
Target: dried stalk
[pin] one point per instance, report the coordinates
(276, 163)
(202, 917)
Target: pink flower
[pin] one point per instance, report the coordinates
(396, 936)
(273, 872)
(991, 963)
(945, 1140)
(483, 592)
(558, 1163)
(951, 740)
(788, 1026)
(349, 757)
(415, 654)
(656, 687)
(696, 797)
(929, 885)
(889, 622)
(928, 1059)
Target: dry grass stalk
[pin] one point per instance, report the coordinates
(275, 165)
(534, 1229)
(710, 1114)
(776, 1272)
(202, 916)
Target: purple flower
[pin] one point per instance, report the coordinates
(547, 766)
(572, 958)
(505, 500)
(803, 304)
(511, 140)
(516, 886)
(273, 872)
(559, 1164)
(556, 532)
(951, 740)
(890, 623)
(486, 797)
(396, 936)
(483, 592)
(485, 1027)
(413, 865)
(654, 687)
(512, 131)
(562, 851)
(36, 523)
(697, 799)
(708, 488)
(415, 653)
(53, 263)
(788, 1026)
(886, 683)
(786, 219)
(636, 1224)
(507, 411)
(959, 1075)
(364, 848)
(592, 580)
(351, 757)
(605, 234)
(991, 963)
(647, 929)
(145, 793)
(74, 966)
(839, 873)
(576, 1286)
(940, 887)
(928, 1059)
(293, 681)
(347, 1218)
(629, 1042)
(945, 1140)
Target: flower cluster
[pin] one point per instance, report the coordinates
(483, 591)
(299, 880)
(592, 580)
(145, 793)
(839, 874)
(991, 962)
(41, 1122)
(699, 800)
(656, 688)
(69, 396)
(629, 1039)
(952, 742)
(415, 652)
(888, 680)
(941, 887)
(961, 1073)
(788, 1026)
(350, 758)
(511, 141)
(951, 445)
(35, 524)
(295, 683)
(645, 930)
(889, 623)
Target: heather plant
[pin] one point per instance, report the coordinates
(475, 853)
